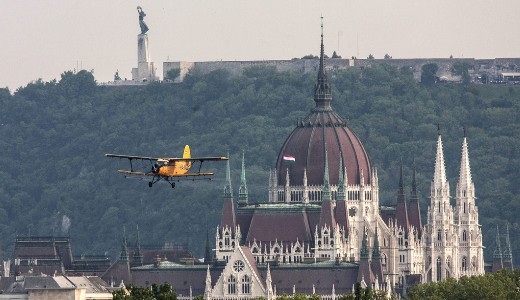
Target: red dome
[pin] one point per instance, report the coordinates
(323, 130)
(320, 131)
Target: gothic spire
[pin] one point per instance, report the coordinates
(508, 255)
(326, 181)
(414, 214)
(242, 192)
(375, 251)
(401, 214)
(138, 258)
(228, 190)
(207, 250)
(439, 177)
(327, 212)
(414, 183)
(364, 245)
(341, 182)
(322, 91)
(228, 210)
(124, 250)
(498, 251)
(207, 289)
(497, 255)
(465, 170)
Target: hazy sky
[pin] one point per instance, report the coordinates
(44, 38)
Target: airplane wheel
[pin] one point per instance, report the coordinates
(150, 184)
(173, 185)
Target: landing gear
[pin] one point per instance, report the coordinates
(172, 184)
(150, 184)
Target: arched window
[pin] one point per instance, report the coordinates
(232, 285)
(246, 285)
(226, 239)
(464, 264)
(439, 235)
(464, 236)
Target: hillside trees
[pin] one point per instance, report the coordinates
(54, 134)
(504, 284)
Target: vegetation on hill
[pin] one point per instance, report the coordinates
(503, 285)
(56, 181)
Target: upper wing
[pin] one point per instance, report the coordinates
(132, 157)
(201, 159)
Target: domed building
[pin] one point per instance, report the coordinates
(321, 230)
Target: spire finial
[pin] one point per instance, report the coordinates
(464, 130)
(439, 128)
(322, 91)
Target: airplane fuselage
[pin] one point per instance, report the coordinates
(174, 169)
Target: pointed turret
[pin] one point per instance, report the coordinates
(327, 215)
(138, 257)
(341, 182)
(465, 181)
(322, 91)
(269, 284)
(401, 213)
(508, 255)
(228, 210)
(439, 176)
(375, 264)
(208, 288)
(341, 211)
(124, 250)
(228, 190)
(242, 192)
(497, 255)
(414, 215)
(208, 255)
(364, 272)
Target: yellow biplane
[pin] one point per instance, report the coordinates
(168, 169)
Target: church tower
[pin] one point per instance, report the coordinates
(470, 256)
(442, 236)
(228, 233)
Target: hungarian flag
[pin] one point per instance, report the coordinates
(289, 158)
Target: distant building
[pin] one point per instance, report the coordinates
(53, 255)
(498, 70)
(54, 287)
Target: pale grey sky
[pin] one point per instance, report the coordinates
(43, 38)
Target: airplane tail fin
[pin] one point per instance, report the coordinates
(184, 166)
(187, 153)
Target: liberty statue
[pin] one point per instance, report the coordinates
(142, 24)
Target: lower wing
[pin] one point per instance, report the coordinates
(173, 177)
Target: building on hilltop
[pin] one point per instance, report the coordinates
(497, 70)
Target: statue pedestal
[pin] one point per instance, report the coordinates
(145, 70)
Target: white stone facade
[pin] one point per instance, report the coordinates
(450, 244)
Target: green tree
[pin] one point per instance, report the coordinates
(429, 73)
(335, 55)
(387, 56)
(370, 56)
(461, 68)
(172, 74)
(77, 84)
